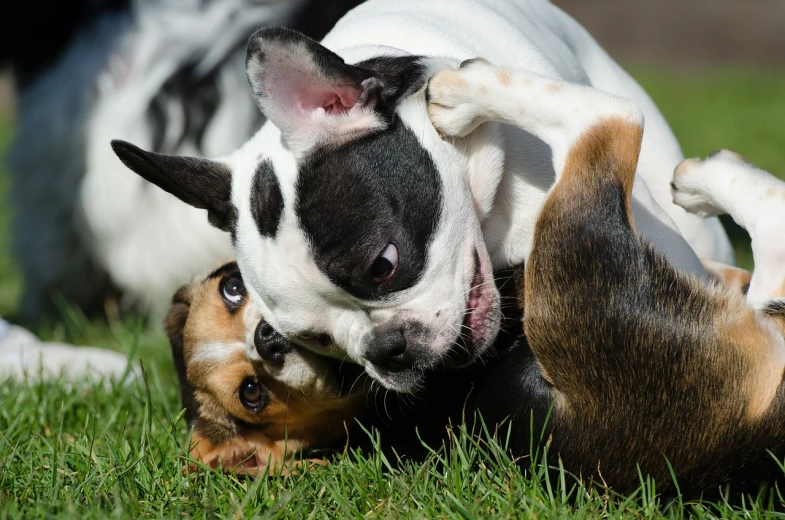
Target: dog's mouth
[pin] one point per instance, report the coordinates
(475, 328)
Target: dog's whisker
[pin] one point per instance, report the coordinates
(351, 389)
(384, 401)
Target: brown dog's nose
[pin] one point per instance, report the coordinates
(270, 345)
(388, 350)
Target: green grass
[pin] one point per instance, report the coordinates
(10, 279)
(95, 451)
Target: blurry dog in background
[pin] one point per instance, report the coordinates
(169, 74)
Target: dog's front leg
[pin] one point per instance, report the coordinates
(558, 112)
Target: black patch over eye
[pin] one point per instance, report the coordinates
(353, 200)
(385, 264)
(252, 395)
(233, 290)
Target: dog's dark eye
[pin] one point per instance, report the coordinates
(385, 264)
(253, 397)
(232, 289)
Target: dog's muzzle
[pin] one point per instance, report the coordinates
(387, 350)
(270, 345)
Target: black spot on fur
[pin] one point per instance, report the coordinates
(354, 200)
(197, 95)
(266, 199)
(401, 75)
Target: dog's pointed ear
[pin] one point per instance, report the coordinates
(202, 183)
(308, 91)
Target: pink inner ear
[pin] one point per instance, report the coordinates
(335, 100)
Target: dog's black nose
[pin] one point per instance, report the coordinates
(388, 350)
(270, 345)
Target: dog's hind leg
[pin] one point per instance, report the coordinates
(726, 183)
(587, 259)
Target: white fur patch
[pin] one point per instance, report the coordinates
(216, 352)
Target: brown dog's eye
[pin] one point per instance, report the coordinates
(233, 290)
(252, 395)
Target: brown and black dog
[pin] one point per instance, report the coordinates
(644, 367)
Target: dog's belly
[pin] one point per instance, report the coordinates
(536, 36)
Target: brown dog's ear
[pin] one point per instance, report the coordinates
(250, 454)
(174, 325)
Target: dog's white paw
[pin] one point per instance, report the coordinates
(455, 97)
(695, 182)
(688, 188)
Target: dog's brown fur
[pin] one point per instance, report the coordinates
(648, 366)
(225, 432)
(734, 277)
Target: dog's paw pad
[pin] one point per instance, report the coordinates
(455, 97)
(452, 104)
(691, 188)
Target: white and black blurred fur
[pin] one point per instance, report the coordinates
(168, 75)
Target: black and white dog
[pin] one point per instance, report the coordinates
(168, 74)
(359, 229)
